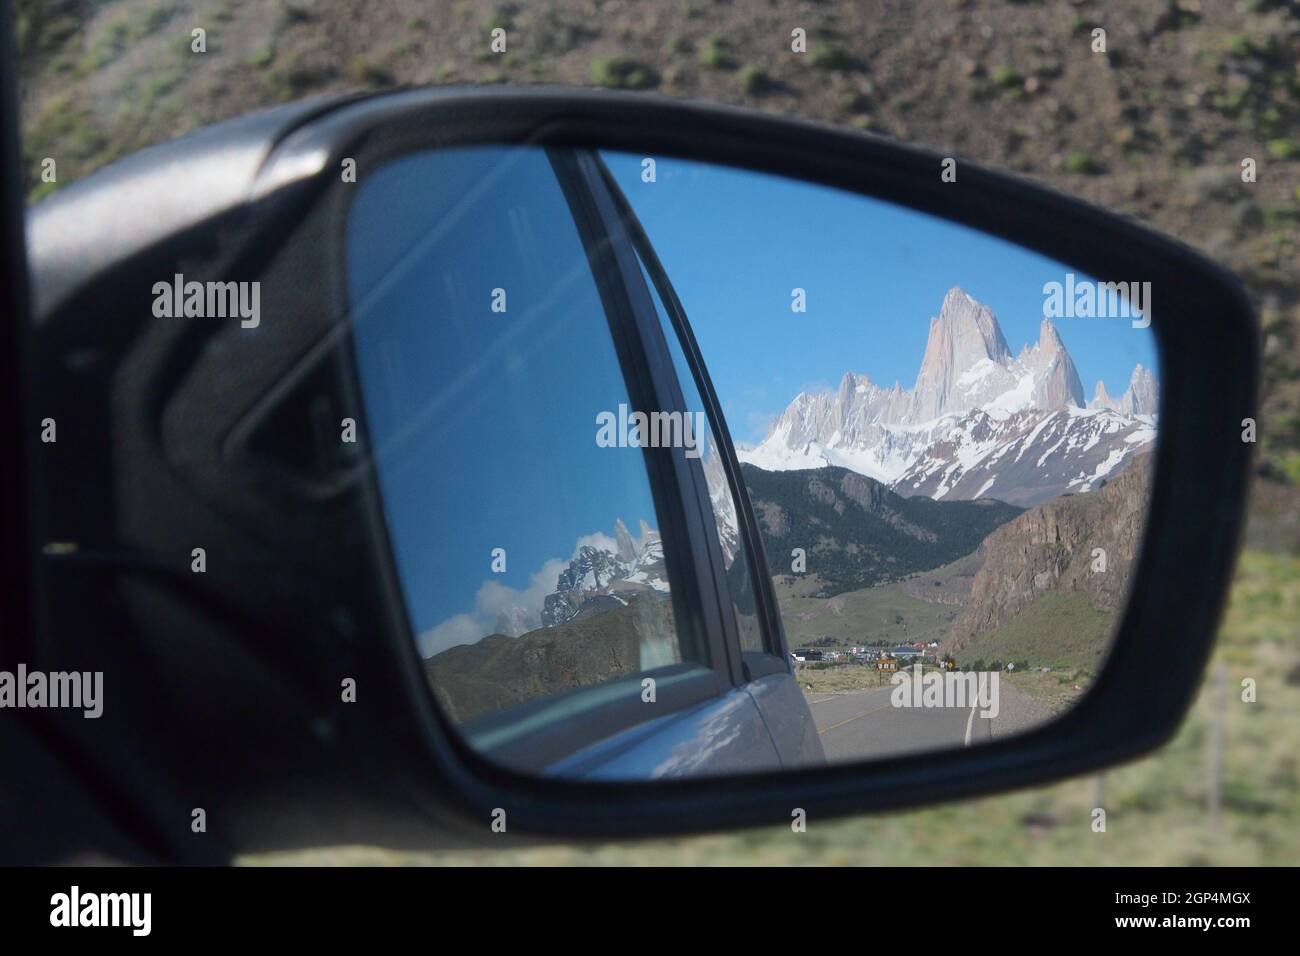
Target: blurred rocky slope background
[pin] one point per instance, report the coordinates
(1157, 127)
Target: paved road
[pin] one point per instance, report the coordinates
(857, 725)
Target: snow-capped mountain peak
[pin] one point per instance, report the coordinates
(963, 335)
(1141, 398)
(1100, 397)
(598, 577)
(971, 402)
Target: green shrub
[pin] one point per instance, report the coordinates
(1284, 148)
(1082, 164)
(364, 71)
(754, 81)
(831, 58)
(1008, 78)
(715, 55)
(623, 73)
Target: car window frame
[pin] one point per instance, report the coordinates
(775, 659)
(698, 551)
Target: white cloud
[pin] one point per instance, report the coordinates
(459, 629)
(598, 540)
(492, 598)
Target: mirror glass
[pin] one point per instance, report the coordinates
(942, 461)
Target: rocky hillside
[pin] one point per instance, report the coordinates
(857, 533)
(499, 671)
(1050, 552)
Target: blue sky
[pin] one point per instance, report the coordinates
(734, 243)
(483, 423)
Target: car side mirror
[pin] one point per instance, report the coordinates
(625, 465)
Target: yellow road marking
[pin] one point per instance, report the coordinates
(852, 719)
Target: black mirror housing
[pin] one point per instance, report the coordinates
(182, 455)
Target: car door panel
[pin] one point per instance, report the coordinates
(722, 736)
(788, 718)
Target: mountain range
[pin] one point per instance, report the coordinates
(855, 532)
(609, 613)
(876, 484)
(602, 574)
(978, 422)
(631, 634)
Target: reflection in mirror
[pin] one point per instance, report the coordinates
(947, 515)
(530, 556)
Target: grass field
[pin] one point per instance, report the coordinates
(885, 613)
(834, 680)
(1060, 631)
(1059, 691)
(1156, 806)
